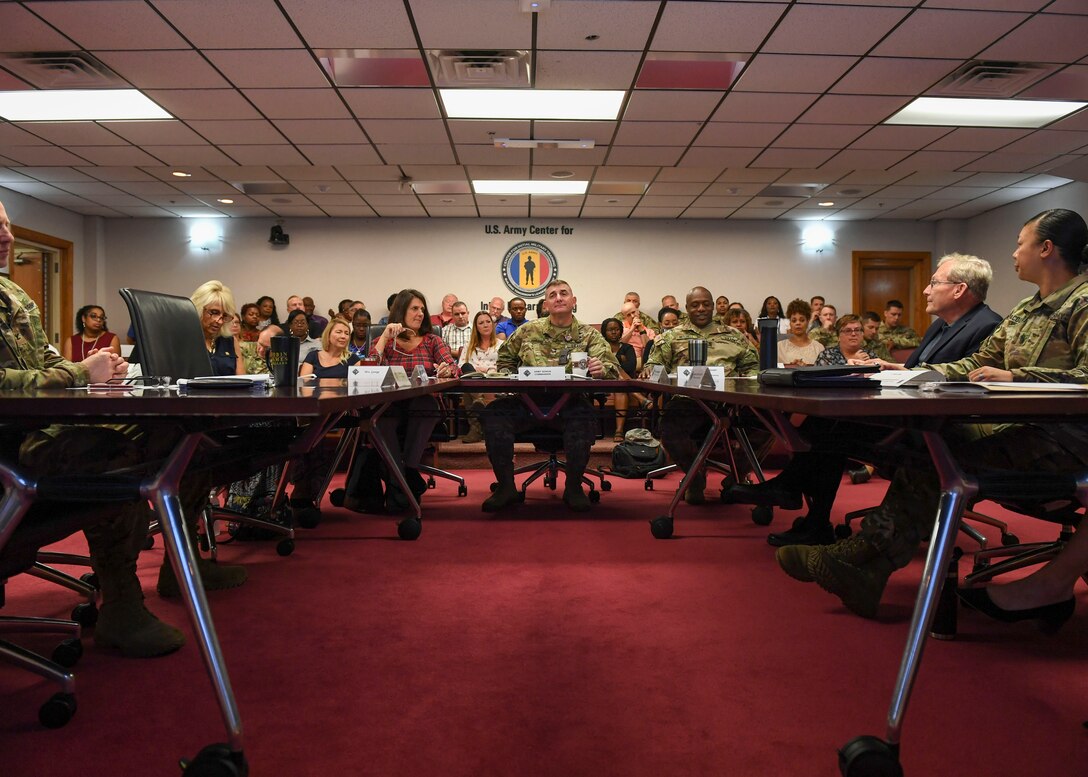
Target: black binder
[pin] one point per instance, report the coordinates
(831, 376)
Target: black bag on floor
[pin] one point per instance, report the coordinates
(637, 456)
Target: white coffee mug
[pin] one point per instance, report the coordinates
(579, 363)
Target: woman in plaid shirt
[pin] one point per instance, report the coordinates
(409, 341)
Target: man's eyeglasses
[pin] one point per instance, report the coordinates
(935, 282)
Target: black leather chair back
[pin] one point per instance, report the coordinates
(373, 334)
(169, 334)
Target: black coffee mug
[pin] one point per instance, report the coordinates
(768, 343)
(283, 358)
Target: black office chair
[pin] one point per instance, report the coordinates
(172, 344)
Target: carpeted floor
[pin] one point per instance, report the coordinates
(542, 643)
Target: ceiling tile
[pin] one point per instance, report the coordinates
(656, 213)
(606, 212)
(355, 211)
(115, 173)
(321, 131)
(473, 24)
(894, 75)
(739, 134)
(489, 155)
(238, 132)
(475, 172)
(155, 132)
(298, 173)
(570, 156)
(1044, 38)
(948, 34)
(350, 25)
(1068, 84)
(189, 155)
(665, 201)
(117, 155)
(164, 69)
(204, 103)
(278, 68)
(419, 154)
(895, 136)
(566, 25)
(819, 136)
(504, 211)
(392, 103)
(792, 157)
(686, 174)
(599, 132)
(261, 155)
(484, 130)
(645, 155)
(1048, 141)
(109, 24)
(654, 105)
(586, 69)
(937, 160)
(810, 29)
(297, 103)
(32, 33)
(405, 131)
(719, 26)
(41, 155)
(346, 155)
(580, 173)
(768, 72)
(63, 133)
(758, 106)
(238, 24)
(1000, 162)
(864, 159)
(656, 133)
(977, 139)
(830, 109)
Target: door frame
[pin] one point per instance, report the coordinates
(64, 250)
(920, 263)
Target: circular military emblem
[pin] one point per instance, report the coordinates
(528, 267)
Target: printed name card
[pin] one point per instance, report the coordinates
(701, 377)
(370, 377)
(400, 377)
(542, 373)
(658, 374)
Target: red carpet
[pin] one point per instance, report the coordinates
(540, 643)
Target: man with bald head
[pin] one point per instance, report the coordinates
(725, 347)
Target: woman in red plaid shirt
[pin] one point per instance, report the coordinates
(408, 341)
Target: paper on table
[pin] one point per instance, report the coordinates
(895, 378)
(992, 386)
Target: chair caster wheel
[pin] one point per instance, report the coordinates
(842, 531)
(661, 527)
(90, 578)
(409, 529)
(285, 547)
(594, 496)
(216, 761)
(957, 553)
(648, 485)
(869, 756)
(58, 710)
(85, 614)
(606, 486)
(149, 543)
(462, 490)
(762, 515)
(336, 497)
(493, 487)
(1008, 539)
(68, 653)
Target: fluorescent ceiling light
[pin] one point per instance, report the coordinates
(530, 187)
(531, 104)
(79, 105)
(954, 112)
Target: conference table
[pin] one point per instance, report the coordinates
(929, 414)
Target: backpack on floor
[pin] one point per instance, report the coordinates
(636, 460)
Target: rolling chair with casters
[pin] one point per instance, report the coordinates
(445, 431)
(551, 442)
(172, 344)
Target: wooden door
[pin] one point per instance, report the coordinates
(42, 265)
(880, 276)
(27, 269)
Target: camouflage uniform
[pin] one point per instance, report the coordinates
(1041, 340)
(899, 336)
(542, 344)
(682, 419)
(647, 321)
(825, 337)
(877, 349)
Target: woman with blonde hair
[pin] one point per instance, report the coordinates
(215, 304)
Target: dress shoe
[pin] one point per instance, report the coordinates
(575, 498)
(1050, 616)
(805, 532)
(767, 494)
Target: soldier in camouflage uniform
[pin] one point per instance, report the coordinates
(114, 544)
(547, 342)
(872, 344)
(825, 333)
(726, 347)
(895, 336)
(647, 321)
(1044, 339)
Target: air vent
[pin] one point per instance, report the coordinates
(984, 78)
(264, 187)
(62, 70)
(479, 69)
(792, 190)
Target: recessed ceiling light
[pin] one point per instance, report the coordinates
(78, 105)
(562, 174)
(557, 201)
(530, 187)
(612, 201)
(570, 104)
(849, 192)
(447, 200)
(181, 174)
(282, 200)
(225, 201)
(950, 112)
(826, 204)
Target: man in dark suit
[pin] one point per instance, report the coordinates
(956, 294)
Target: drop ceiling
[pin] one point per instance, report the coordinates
(259, 119)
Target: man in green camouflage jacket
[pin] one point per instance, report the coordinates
(726, 347)
(894, 335)
(872, 344)
(547, 342)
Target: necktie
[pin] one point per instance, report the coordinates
(932, 345)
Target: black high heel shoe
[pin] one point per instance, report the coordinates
(1050, 616)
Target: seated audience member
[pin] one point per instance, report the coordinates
(299, 327)
(443, 316)
(739, 319)
(1044, 338)
(480, 355)
(495, 307)
(817, 304)
(721, 309)
(612, 330)
(667, 318)
(895, 335)
(92, 334)
(635, 333)
(408, 341)
(798, 349)
(255, 355)
(341, 309)
(317, 322)
(771, 308)
(457, 331)
(956, 296)
(735, 306)
(269, 316)
(359, 344)
(542, 308)
(825, 335)
(633, 298)
(355, 307)
(332, 359)
(848, 351)
(518, 308)
(248, 319)
(871, 343)
(547, 342)
(726, 347)
(669, 301)
(294, 302)
(388, 306)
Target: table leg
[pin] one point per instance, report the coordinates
(662, 526)
(407, 528)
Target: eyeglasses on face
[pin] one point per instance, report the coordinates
(96, 316)
(851, 331)
(215, 313)
(935, 282)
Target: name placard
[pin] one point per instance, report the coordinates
(658, 374)
(701, 377)
(542, 373)
(400, 377)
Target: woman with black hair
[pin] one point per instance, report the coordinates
(267, 306)
(91, 335)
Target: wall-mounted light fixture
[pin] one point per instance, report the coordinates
(204, 235)
(817, 238)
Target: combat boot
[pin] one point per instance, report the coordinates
(214, 576)
(574, 497)
(695, 494)
(795, 559)
(856, 573)
(505, 493)
(475, 429)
